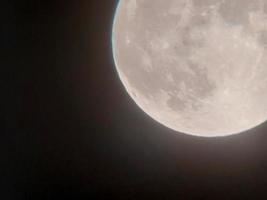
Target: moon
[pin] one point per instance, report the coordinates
(198, 67)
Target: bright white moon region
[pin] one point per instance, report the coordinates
(196, 66)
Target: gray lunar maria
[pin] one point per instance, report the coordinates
(196, 66)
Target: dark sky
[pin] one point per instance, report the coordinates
(70, 131)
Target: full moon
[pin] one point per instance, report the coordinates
(198, 67)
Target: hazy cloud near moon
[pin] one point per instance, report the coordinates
(198, 67)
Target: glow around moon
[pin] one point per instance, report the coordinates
(196, 66)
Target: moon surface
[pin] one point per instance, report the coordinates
(196, 66)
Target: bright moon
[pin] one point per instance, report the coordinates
(196, 66)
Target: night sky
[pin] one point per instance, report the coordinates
(69, 130)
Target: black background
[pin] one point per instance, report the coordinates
(70, 131)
